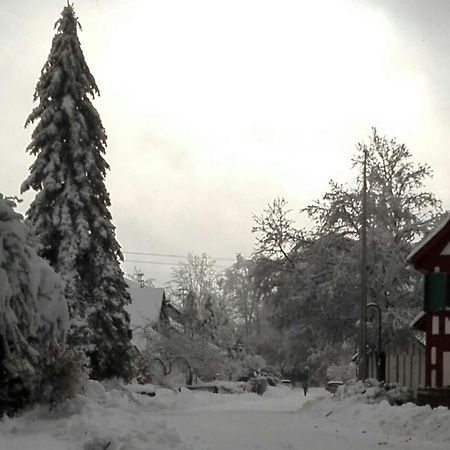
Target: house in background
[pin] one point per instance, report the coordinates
(151, 313)
(150, 307)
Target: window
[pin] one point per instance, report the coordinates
(435, 325)
(436, 291)
(447, 325)
(433, 355)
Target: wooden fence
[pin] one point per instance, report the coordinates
(405, 364)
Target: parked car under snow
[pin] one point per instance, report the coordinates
(332, 386)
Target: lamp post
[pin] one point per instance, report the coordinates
(380, 354)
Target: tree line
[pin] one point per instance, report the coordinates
(295, 300)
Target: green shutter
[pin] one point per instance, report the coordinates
(435, 291)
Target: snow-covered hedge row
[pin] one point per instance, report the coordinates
(373, 391)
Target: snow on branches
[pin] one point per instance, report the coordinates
(70, 214)
(33, 310)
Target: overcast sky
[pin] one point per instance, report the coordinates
(213, 108)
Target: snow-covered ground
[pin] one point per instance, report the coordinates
(281, 419)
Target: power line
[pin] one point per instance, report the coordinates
(174, 256)
(161, 263)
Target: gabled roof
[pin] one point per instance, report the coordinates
(145, 305)
(435, 241)
(419, 321)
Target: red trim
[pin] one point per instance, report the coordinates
(440, 341)
(421, 323)
(427, 256)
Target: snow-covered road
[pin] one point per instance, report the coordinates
(272, 422)
(281, 419)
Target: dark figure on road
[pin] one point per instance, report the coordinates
(305, 386)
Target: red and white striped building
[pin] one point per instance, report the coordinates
(432, 258)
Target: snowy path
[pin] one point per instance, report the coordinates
(231, 422)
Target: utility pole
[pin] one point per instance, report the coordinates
(363, 317)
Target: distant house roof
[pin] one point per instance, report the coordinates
(434, 250)
(145, 306)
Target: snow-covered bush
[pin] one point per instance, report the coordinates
(205, 359)
(64, 372)
(232, 387)
(97, 443)
(33, 311)
(273, 377)
(373, 391)
(145, 368)
(258, 385)
(242, 366)
(233, 370)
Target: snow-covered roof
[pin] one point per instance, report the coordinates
(428, 238)
(417, 319)
(145, 304)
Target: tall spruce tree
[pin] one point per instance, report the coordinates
(70, 211)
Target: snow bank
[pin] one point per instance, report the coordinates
(407, 420)
(373, 391)
(99, 419)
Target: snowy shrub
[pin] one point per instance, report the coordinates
(97, 443)
(147, 369)
(373, 391)
(232, 387)
(258, 385)
(205, 359)
(242, 367)
(233, 370)
(64, 372)
(272, 377)
(33, 311)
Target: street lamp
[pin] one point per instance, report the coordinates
(381, 357)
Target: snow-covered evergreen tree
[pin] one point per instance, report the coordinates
(70, 212)
(33, 311)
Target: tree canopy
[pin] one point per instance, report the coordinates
(309, 278)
